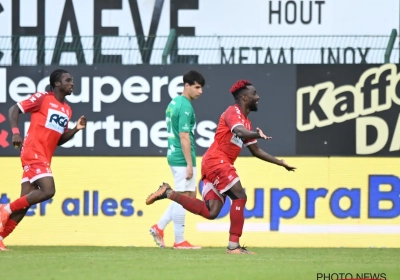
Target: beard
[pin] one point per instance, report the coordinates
(69, 92)
(253, 107)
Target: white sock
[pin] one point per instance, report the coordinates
(7, 207)
(233, 245)
(178, 216)
(166, 218)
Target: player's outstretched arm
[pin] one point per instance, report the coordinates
(81, 124)
(259, 153)
(244, 133)
(13, 116)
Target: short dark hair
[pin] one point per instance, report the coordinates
(193, 77)
(55, 76)
(239, 87)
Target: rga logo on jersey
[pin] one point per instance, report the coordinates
(377, 90)
(56, 121)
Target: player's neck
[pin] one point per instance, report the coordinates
(59, 96)
(245, 111)
(186, 95)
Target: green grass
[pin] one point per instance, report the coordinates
(99, 263)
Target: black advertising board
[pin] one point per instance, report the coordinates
(125, 105)
(348, 110)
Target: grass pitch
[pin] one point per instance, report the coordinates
(99, 263)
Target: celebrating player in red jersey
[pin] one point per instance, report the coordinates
(50, 115)
(219, 176)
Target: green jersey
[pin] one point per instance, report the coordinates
(180, 117)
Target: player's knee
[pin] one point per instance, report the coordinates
(213, 214)
(49, 193)
(213, 210)
(242, 195)
(236, 194)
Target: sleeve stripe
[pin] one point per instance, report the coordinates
(20, 107)
(249, 143)
(235, 126)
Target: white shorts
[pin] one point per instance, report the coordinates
(180, 182)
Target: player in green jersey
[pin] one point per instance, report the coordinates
(181, 122)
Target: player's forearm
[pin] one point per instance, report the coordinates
(266, 157)
(67, 136)
(244, 133)
(186, 150)
(13, 115)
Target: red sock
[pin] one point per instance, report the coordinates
(237, 219)
(191, 204)
(8, 228)
(19, 204)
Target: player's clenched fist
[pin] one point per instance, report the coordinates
(81, 124)
(17, 140)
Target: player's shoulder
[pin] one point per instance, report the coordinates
(178, 98)
(36, 98)
(232, 108)
(175, 101)
(183, 103)
(48, 97)
(45, 94)
(40, 95)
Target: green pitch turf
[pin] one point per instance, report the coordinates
(99, 263)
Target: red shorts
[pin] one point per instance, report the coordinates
(35, 171)
(217, 182)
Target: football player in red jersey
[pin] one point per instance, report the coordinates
(219, 175)
(50, 115)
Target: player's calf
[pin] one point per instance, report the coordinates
(191, 204)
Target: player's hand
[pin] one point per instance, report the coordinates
(189, 172)
(287, 166)
(262, 135)
(81, 124)
(17, 141)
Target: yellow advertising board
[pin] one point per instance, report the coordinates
(327, 202)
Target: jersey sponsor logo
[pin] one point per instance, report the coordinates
(53, 105)
(236, 141)
(185, 127)
(56, 121)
